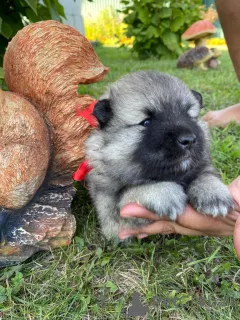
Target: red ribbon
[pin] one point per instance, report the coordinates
(84, 168)
(87, 114)
(82, 171)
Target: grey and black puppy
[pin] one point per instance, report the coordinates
(151, 149)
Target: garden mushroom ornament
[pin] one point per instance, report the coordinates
(199, 31)
(42, 136)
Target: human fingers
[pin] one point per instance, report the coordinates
(137, 211)
(234, 189)
(208, 117)
(189, 220)
(214, 119)
(236, 237)
(158, 227)
(208, 225)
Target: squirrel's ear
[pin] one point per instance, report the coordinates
(198, 96)
(103, 112)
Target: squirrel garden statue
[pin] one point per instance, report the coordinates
(41, 136)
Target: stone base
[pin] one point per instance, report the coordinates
(44, 224)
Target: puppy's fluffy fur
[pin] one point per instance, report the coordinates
(152, 149)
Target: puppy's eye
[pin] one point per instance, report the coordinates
(145, 123)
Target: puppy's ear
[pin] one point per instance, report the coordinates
(198, 96)
(103, 112)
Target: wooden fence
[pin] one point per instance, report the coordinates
(93, 8)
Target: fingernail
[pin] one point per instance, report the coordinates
(142, 235)
(124, 215)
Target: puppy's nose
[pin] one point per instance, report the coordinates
(186, 141)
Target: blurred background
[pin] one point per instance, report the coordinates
(112, 22)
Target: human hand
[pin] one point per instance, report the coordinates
(190, 222)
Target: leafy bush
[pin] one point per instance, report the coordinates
(15, 14)
(157, 26)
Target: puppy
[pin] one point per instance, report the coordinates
(151, 149)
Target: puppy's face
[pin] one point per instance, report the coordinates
(150, 128)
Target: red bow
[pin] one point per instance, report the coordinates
(82, 171)
(84, 168)
(87, 114)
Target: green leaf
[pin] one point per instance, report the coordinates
(32, 4)
(105, 260)
(17, 282)
(59, 8)
(112, 286)
(152, 32)
(6, 30)
(155, 19)
(79, 242)
(1, 73)
(144, 15)
(3, 296)
(162, 50)
(158, 5)
(170, 39)
(54, 12)
(32, 15)
(176, 12)
(165, 12)
(213, 255)
(147, 45)
(236, 154)
(44, 13)
(11, 23)
(166, 23)
(99, 252)
(52, 9)
(129, 19)
(177, 23)
(183, 298)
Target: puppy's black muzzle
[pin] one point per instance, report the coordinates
(186, 141)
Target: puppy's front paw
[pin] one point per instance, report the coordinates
(110, 230)
(165, 198)
(172, 202)
(213, 199)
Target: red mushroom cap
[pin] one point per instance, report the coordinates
(199, 29)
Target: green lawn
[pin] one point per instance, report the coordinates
(176, 277)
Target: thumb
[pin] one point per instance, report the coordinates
(208, 116)
(236, 237)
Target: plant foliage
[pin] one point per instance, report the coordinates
(157, 26)
(15, 14)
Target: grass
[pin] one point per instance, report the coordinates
(175, 277)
